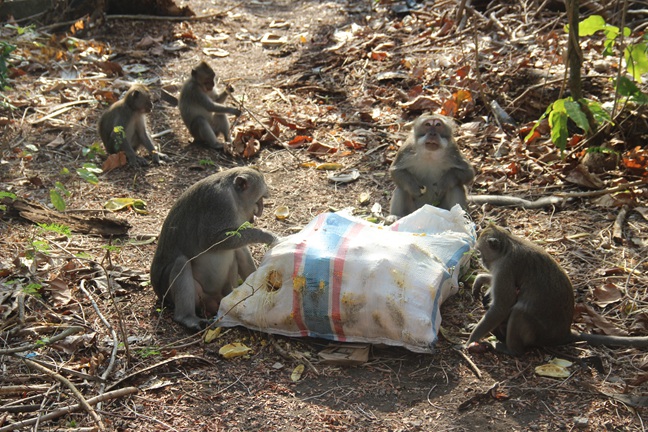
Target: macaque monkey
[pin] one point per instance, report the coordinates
(429, 169)
(201, 252)
(123, 126)
(531, 297)
(201, 109)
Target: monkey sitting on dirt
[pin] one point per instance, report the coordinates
(201, 251)
(201, 109)
(531, 297)
(122, 127)
(429, 168)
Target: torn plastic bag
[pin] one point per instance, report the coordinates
(346, 279)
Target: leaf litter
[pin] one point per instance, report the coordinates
(350, 79)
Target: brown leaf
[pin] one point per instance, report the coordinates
(114, 161)
(582, 177)
(586, 314)
(60, 291)
(607, 294)
(636, 160)
(421, 103)
(319, 148)
(111, 68)
(299, 141)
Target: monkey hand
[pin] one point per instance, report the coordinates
(235, 111)
(229, 88)
(478, 348)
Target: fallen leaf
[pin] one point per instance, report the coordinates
(297, 373)
(299, 141)
(319, 148)
(232, 350)
(114, 161)
(116, 204)
(586, 314)
(212, 334)
(582, 177)
(329, 166)
(552, 370)
(421, 103)
(607, 294)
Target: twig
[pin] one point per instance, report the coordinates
(113, 333)
(70, 409)
(43, 342)
(617, 230)
(472, 365)
(82, 401)
(153, 366)
(555, 199)
(62, 108)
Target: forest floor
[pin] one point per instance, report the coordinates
(350, 75)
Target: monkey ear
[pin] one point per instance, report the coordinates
(493, 242)
(241, 183)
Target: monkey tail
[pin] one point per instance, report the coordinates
(606, 340)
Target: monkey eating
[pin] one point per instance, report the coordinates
(201, 108)
(531, 297)
(122, 127)
(429, 168)
(202, 249)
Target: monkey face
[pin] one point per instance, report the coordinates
(491, 245)
(139, 99)
(433, 132)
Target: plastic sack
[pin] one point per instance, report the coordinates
(346, 279)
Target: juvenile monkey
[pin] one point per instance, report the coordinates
(201, 109)
(429, 169)
(531, 297)
(198, 260)
(123, 126)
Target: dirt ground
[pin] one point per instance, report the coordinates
(350, 75)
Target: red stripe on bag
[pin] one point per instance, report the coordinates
(297, 311)
(336, 285)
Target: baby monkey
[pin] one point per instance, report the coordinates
(123, 126)
(429, 169)
(531, 297)
(201, 109)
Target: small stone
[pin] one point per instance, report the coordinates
(581, 422)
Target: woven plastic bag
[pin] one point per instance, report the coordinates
(346, 279)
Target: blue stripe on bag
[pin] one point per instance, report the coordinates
(322, 249)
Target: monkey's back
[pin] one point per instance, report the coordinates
(545, 292)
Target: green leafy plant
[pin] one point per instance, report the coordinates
(148, 352)
(89, 173)
(38, 246)
(93, 150)
(237, 233)
(5, 50)
(206, 162)
(57, 194)
(120, 136)
(3, 195)
(56, 228)
(33, 289)
(563, 110)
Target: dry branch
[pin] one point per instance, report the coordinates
(82, 401)
(72, 408)
(38, 213)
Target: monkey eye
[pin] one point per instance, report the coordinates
(437, 123)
